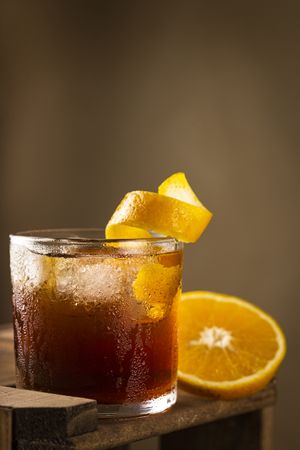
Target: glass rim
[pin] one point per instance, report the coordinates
(40, 236)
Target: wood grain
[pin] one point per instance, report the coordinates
(6, 428)
(43, 415)
(189, 411)
(7, 358)
(240, 432)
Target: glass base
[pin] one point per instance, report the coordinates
(153, 406)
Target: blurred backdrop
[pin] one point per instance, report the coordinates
(99, 98)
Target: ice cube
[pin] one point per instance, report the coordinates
(90, 278)
(28, 267)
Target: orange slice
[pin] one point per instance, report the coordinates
(228, 348)
(156, 286)
(174, 211)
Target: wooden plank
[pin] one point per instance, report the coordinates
(43, 415)
(251, 431)
(267, 427)
(234, 433)
(41, 444)
(189, 411)
(7, 358)
(6, 428)
(241, 432)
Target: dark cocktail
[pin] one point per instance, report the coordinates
(97, 318)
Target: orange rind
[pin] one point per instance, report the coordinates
(174, 211)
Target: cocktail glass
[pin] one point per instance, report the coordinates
(97, 318)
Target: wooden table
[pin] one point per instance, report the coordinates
(35, 420)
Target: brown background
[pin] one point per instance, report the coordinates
(99, 98)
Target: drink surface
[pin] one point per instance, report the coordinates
(98, 325)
